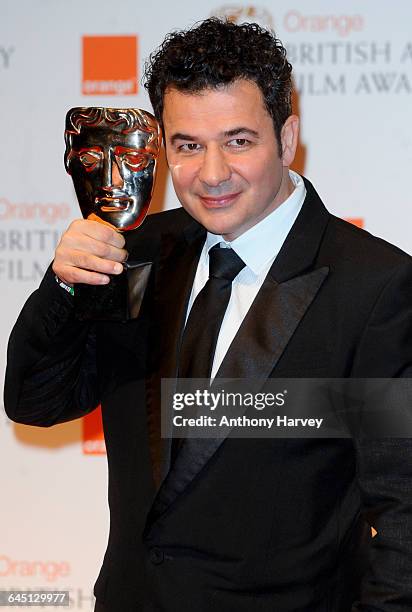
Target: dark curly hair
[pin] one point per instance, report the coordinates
(215, 53)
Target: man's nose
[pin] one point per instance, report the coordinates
(111, 173)
(215, 168)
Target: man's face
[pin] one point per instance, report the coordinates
(113, 174)
(223, 155)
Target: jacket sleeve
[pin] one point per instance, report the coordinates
(385, 464)
(51, 373)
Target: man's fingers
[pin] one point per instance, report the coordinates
(77, 275)
(87, 261)
(88, 252)
(85, 268)
(70, 268)
(96, 247)
(103, 233)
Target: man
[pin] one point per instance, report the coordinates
(236, 524)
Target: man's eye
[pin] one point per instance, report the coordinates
(238, 142)
(189, 146)
(89, 159)
(135, 161)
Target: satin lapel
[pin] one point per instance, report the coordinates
(269, 325)
(173, 282)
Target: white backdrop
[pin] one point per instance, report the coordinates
(353, 75)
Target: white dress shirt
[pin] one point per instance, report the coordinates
(258, 247)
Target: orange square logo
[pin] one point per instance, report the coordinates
(109, 65)
(358, 221)
(93, 437)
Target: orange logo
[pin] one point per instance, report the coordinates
(93, 438)
(358, 221)
(109, 65)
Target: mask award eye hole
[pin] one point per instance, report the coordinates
(89, 159)
(135, 161)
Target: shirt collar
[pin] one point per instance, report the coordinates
(269, 234)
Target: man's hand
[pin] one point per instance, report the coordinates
(87, 252)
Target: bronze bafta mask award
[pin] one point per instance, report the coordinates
(111, 155)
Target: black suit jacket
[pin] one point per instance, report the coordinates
(238, 524)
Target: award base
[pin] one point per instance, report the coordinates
(120, 300)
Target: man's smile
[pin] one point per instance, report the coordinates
(219, 201)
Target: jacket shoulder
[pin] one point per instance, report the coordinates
(361, 248)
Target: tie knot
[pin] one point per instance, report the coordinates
(224, 263)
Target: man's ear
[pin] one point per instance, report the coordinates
(289, 138)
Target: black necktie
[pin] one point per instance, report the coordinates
(206, 315)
